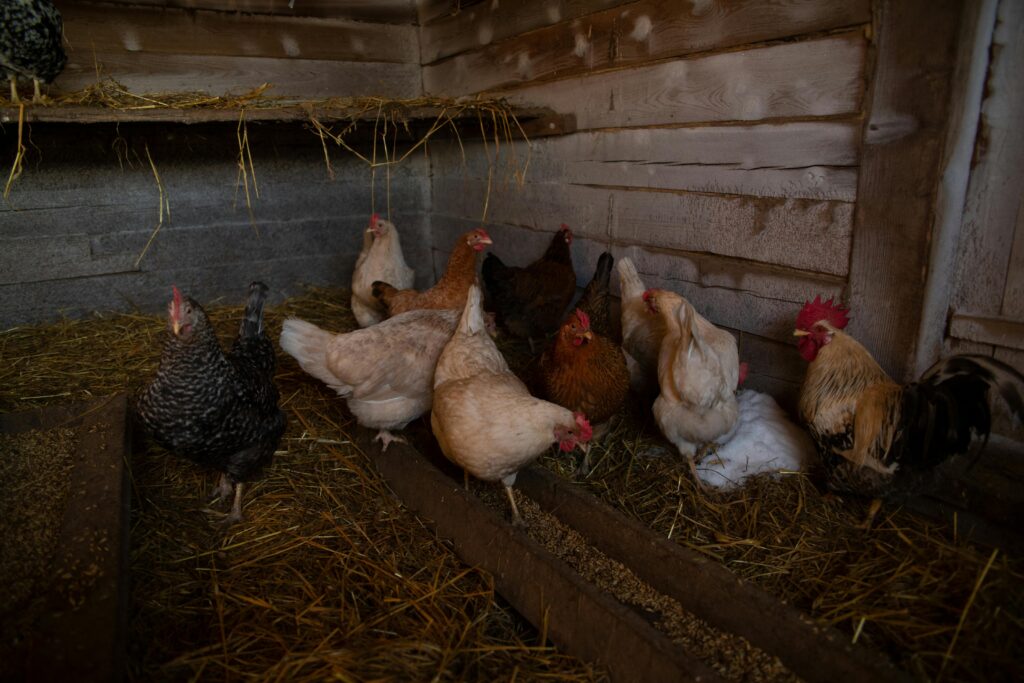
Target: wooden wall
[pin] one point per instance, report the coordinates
(718, 145)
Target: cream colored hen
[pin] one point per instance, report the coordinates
(641, 332)
(698, 370)
(386, 372)
(380, 259)
(484, 417)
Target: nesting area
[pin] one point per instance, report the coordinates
(330, 575)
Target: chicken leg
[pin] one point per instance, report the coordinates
(236, 507)
(507, 482)
(224, 489)
(14, 90)
(386, 438)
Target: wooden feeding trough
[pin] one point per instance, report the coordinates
(70, 624)
(589, 622)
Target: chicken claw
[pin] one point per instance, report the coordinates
(224, 489)
(386, 438)
(517, 519)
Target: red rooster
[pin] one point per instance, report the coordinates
(880, 439)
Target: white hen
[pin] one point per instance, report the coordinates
(641, 332)
(484, 417)
(380, 259)
(386, 372)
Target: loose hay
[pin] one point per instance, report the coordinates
(329, 575)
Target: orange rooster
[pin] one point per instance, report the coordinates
(450, 291)
(880, 439)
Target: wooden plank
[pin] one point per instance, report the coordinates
(1013, 294)
(806, 234)
(89, 28)
(772, 358)
(812, 651)
(811, 78)
(388, 11)
(618, 37)
(445, 32)
(903, 139)
(984, 330)
(314, 78)
(800, 159)
(745, 296)
(582, 619)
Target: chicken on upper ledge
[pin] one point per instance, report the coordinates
(381, 259)
(31, 34)
(450, 290)
(875, 437)
(530, 302)
(218, 410)
(385, 372)
(698, 371)
(484, 418)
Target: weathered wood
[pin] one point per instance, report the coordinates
(810, 78)
(99, 28)
(215, 75)
(997, 331)
(390, 11)
(806, 234)
(625, 36)
(903, 138)
(1013, 294)
(85, 642)
(772, 357)
(575, 614)
(812, 651)
(801, 159)
(754, 298)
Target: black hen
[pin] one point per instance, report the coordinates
(596, 300)
(30, 42)
(218, 410)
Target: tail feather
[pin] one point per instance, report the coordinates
(603, 272)
(252, 319)
(629, 281)
(493, 270)
(307, 344)
(472, 320)
(996, 374)
(595, 300)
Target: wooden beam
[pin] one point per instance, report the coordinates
(622, 36)
(986, 330)
(813, 78)
(387, 11)
(908, 110)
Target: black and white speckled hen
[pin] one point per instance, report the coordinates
(218, 410)
(30, 43)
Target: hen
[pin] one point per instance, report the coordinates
(381, 259)
(484, 418)
(450, 290)
(875, 437)
(596, 300)
(530, 302)
(698, 370)
(31, 32)
(386, 372)
(641, 332)
(218, 410)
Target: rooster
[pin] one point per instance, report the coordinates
(530, 302)
(484, 418)
(386, 372)
(698, 371)
(875, 437)
(218, 410)
(450, 290)
(641, 332)
(381, 259)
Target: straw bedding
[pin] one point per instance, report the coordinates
(329, 575)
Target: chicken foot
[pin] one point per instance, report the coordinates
(386, 438)
(236, 508)
(869, 518)
(517, 519)
(14, 90)
(224, 489)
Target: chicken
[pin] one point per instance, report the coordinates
(698, 370)
(641, 332)
(381, 259)
(596, 300)
(450, 290)
(218, 410)
(385, 372)
(875, 437)
(31, 32)
(484, 418)
(530, 302)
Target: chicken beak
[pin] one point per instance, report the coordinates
(176, 326)
(588, 335)
(800, 333)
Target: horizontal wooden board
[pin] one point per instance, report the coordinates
(741, 295)
(812, 78)
(625, 36)
(391, 11)
(89, 28)
(802, 159)
(799, 233)
(1003, 332)
(145, 73)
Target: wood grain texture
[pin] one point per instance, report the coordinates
(214, 75)
(792, 80)
(805, 234)
(623, 36)
(388, 11)
(89, 28)
(1005, 332)
(811, 160)
(906, 127)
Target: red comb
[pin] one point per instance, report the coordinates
(583, 318)
(482, 233)
(647, 294)
(177, 295)
(374, 218)
(836, 315)
(586, 431)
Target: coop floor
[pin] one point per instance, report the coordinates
(330, 576)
